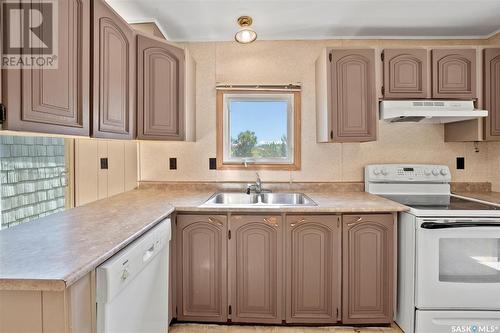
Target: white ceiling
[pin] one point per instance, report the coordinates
(215, 20)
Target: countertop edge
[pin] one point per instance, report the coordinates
(294, 210)
(32, 285)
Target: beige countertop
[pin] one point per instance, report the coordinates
(53, 252)
(493, 197)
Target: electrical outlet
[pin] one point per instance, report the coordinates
(212, 164)
(173, 163)
(460, 163)
(104, 163)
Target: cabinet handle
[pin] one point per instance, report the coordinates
(212, 220)
(296, 223)
(272, 221)
(353, 223)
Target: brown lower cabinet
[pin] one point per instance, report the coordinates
(298, 269)
(201, 268)
(313, 259)
(256, 269)
(368, 268)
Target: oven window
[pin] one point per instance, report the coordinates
(469, 260)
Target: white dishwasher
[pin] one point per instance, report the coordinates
(132, 286)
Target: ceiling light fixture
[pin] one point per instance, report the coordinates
(246, 34)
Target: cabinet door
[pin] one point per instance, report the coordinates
(368, 275)
(353, 95)
(160, 94)
(405, 73)
(492, 93)
(114, 74)
(201, 268)
(454, 73)
(255, 269)
(313, 267)
(56, 100)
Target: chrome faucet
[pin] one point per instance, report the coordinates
(257, 187)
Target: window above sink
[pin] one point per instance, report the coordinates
(258, 129)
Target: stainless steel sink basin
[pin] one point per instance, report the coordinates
(288, 199)
(234, 199)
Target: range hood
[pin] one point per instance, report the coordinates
(429, 111)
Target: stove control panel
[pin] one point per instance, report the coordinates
(425, 173)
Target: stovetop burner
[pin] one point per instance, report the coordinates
(457, 203)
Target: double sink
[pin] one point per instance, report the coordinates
(235, 199)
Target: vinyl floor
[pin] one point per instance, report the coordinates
(203, 328)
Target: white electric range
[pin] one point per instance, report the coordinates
(448, 251)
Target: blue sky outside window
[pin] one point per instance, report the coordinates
(258, 128)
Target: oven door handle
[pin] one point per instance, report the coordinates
(447, 225)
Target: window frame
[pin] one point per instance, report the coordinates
(223, 130)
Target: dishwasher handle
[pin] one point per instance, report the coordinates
(149, 253)
(449, 225)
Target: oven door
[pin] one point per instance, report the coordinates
(458, 264)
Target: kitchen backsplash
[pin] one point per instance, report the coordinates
(293, 62)
(32, 178)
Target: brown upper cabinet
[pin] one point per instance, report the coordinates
(201, 268)
(256, 269)
(165, 91)
(313, 269)
(368, 269)
(54, 101)
(405, 73)
(454, 73)
(114, 78)
(142, 87)
(345, 95)
(492, 93)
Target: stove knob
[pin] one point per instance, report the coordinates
(444, 172)
(427, 172)
(435, 172)
(385, 172)
(376, 172)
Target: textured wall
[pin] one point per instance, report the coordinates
(92, 182)
(278, 62)
(31, 179)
